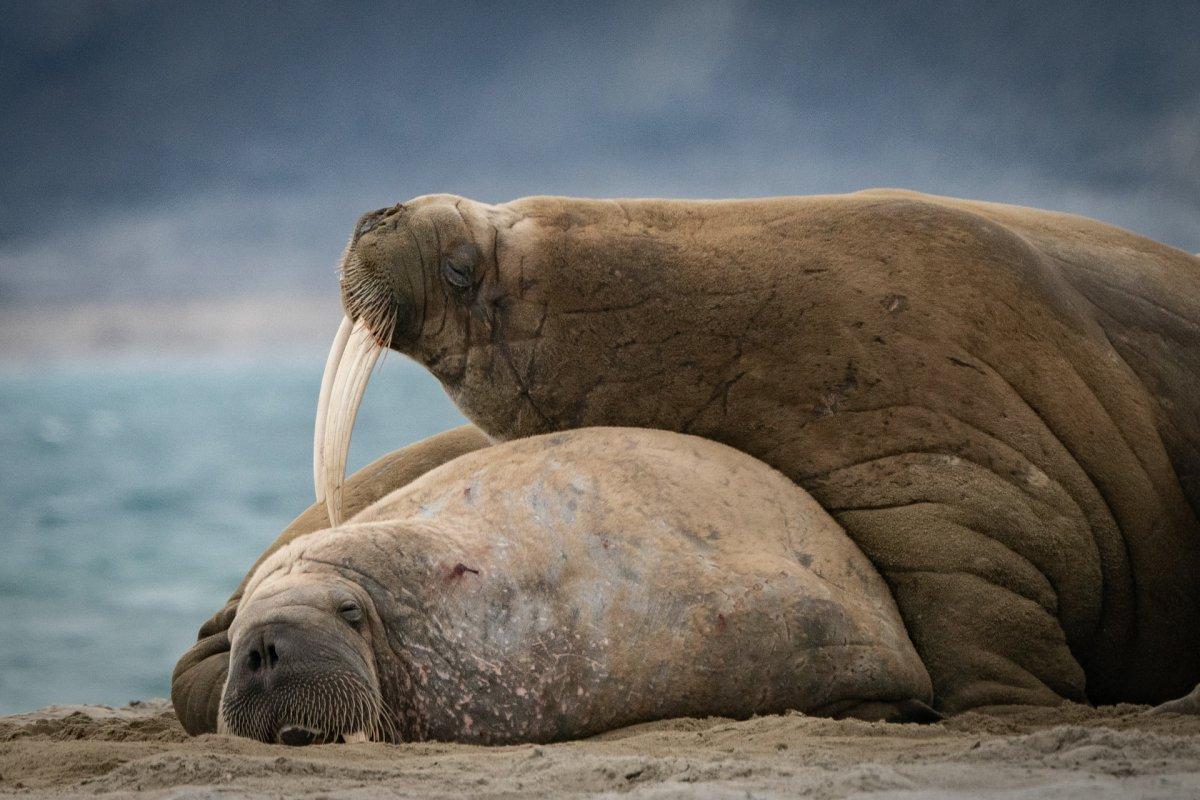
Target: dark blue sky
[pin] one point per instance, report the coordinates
(166, 150)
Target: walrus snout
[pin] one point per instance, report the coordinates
(298, 684)
(373, 219)
(376, 274)
(301, 667)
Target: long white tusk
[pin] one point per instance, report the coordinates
(331, 365)
(352, 372)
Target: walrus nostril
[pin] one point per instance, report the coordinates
(367, 222)
(262, 654)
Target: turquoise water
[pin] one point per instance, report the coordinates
(133, 497)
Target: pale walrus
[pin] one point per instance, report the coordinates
(563, 585)
(998, 404)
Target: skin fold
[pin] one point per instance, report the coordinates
(564, 585)
(997, 404)
(200, 675)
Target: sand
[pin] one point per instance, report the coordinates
(1066, 752)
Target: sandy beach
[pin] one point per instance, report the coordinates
(1067, 752)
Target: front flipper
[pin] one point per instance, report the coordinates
(984, 573)
(199, 677)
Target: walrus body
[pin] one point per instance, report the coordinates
(997, 404)
(559, 586)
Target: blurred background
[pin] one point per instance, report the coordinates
(177, 181)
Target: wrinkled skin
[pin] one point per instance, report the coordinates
(200, 675)
(560, 586)
(998, 404)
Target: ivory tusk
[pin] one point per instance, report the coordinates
(351, 371)
(331, 364)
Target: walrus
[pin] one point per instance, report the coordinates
(563, 585)
(997, 404)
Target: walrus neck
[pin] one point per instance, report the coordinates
(412, 660)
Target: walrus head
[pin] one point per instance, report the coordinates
(494, 300)
(380, 297)
(421, 278)
(303, 666)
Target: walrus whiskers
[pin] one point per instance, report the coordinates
(328, 706)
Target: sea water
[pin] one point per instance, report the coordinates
(135, 494)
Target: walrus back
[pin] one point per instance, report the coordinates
(1145, 296)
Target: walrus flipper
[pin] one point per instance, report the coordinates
(199, 676)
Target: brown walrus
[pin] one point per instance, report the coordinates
(998, 404)
(559, 586)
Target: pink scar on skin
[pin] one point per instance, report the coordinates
(459, 570)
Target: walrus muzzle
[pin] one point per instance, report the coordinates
(293, 683)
